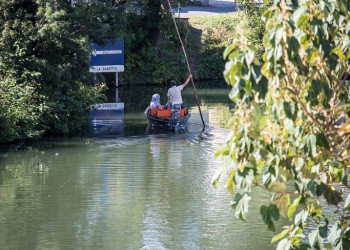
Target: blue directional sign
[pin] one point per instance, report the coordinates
(109, 58)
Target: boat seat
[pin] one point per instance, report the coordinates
(183, 112)
(166, 113)
(153, 111)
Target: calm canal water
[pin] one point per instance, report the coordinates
(136, 190)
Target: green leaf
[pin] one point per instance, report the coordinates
(299, 163)
(335, 233)
(333, 196)
(230, 182)
(229, 49)
(289, 109)
(347, 28)
(293, 47)
(345, 242)
(317, 189)
(249, 56)
(315, 210)
(284, 244)
(256, 72)
(280, 235)
(278, 34)
(295, 3)
(347, 202)
(321, 188)
(323, 231)
(278, 53)
(316, 238)
(267, 14)
(269, 213)
(216, 178)
(272, 36)
(302, 21)
(282, 204)
(313, 56)
(244, 180)
(300, 218)
(316, 87)
(321, 140)
(240, 205)
(234, 92)
(221, 151)
(293, 206)
(277, 186)
(313, 144)
(298, 15)
(313, 238)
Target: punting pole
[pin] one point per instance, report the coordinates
(188, 65)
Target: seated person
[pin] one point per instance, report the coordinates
(155, 103)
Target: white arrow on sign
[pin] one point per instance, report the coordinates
(106, 52)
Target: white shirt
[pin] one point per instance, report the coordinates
(153, 105)
(175, 94)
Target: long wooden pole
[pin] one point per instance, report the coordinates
(188, 65)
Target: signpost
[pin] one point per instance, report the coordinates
(107, 117)
(108, 58)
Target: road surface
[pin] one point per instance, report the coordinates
(216, 7)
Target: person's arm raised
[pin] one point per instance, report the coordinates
(187, 81)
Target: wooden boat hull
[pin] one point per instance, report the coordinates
(168, 123)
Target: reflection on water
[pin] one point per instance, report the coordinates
(136, 191)
(106, 122)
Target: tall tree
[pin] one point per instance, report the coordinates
(44, 48)
(291, 128)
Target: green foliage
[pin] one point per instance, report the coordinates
(69, 108)
(158, 58)
(44, 51)
(45, 47)
(20, 117)
(216, 33)
(300, 151)
(253, 13)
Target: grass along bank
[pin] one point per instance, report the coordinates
(213, 34)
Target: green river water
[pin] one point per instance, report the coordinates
(136, 190)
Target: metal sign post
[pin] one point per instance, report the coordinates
(116, 87)
(108, 58)
(107, 118)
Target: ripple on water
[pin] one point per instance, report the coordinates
(148, 191)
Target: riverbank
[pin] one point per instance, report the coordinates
(205, 38)
(212, 34)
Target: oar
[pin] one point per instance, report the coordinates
(188, 66)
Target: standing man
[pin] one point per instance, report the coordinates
(174, 95)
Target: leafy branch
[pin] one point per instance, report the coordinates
(304, 128)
